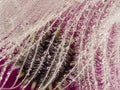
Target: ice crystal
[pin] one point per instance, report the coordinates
(59, 45)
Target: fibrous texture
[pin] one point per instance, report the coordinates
(59, 45)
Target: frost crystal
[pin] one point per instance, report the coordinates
(59, 45)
